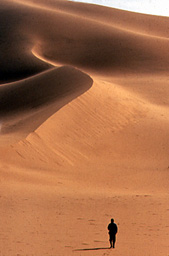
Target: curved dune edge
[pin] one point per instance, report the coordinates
(99, 148)
(26, 104)
(125, 51)
(126, 112)
(38, 56)
(41, 89)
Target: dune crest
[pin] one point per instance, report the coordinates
(84, 102)
(26, 104)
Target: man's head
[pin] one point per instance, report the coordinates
(112, 220)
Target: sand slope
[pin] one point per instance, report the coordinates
(84, 100)
(26, 104)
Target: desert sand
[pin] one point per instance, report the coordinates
(84, 130)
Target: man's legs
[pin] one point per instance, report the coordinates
(114, 240)
(110, 239)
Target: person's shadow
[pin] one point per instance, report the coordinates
(92, 249)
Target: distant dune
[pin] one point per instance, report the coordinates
(84, 102)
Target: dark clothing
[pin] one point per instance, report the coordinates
(112, 227)
(112, 239)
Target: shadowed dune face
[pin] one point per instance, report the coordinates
(39, 97)
(42, 89)
(65, 35)
(84, 142)
(114, 50)
(99, 47)
(17, 61)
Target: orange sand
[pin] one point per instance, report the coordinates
(84, 102)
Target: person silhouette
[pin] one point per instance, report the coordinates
(112, 227)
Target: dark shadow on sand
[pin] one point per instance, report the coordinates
(26, 104)
(92, 249)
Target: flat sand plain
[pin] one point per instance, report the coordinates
(84, 130)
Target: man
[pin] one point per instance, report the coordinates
(112, 227)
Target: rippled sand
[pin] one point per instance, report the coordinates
(84, 102)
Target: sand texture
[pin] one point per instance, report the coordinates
(84, 130)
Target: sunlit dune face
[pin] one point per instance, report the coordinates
(84, 103)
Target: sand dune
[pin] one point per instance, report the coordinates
(42, 89)
(83, 45)
(83, 129)
(18, 61)
(26, 104)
